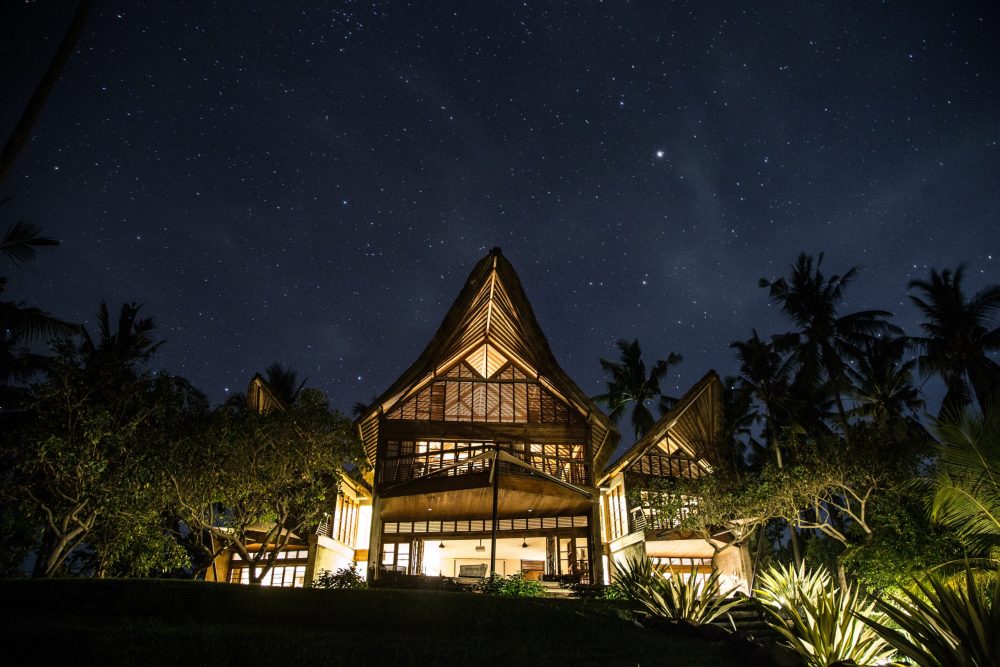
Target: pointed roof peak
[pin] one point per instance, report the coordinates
(492, 310)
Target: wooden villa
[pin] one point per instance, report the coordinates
(485, 456)
(485, 440)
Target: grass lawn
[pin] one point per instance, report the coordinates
(80, 621)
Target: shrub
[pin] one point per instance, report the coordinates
(787, 586)
(671, 595)
(345, 577)
(943, 625)
(820, 622)
(514, 586)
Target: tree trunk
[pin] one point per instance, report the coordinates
(794, 539)
(841, 574)
(31, 113)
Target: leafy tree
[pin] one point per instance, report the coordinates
(254, 481)
(903, 544)
(630, 385)
(958, 339)
(826, 340)
(81, 466)
(83, 460)
(833, 484)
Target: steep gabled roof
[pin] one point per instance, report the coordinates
(693, 426)
(492, 309)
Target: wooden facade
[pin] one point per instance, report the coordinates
(680, 445)
(485, 437)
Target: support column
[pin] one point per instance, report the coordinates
(551, 555)
(596, 540)
(495, 473)
(375, 540)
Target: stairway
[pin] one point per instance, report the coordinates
(749, 621)
(555, 589)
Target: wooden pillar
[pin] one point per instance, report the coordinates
(551, 555)
(596, 550)
(496, 508)
(375, 539)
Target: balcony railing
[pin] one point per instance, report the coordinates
(407, 468)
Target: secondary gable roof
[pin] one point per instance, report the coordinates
(693, 427)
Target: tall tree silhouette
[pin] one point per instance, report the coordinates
(883, 383)
(31, 112)
(958, 341)
(122, 347)
(284, 382)
(827, 340)
(20, 324)
(631, 386)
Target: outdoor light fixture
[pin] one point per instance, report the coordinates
(524, 543)
(480, 547)
(441, 545)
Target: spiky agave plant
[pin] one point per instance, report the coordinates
(673, 595)
(943, 625)
(786, 586)
(822, 623)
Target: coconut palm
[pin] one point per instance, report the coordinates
(883, 383)
(20, 324)
(958, 341)
(630, 385)
(827, 340)
(31, 113)
(967, 488)
(767, 375)
(123, 346)
(284, 382)
(21, 239)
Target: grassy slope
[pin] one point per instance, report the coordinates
(167, 622)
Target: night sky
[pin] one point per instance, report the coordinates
(311, 182)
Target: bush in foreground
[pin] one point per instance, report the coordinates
(944, 625)
(671, 595)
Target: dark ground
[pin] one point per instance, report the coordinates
(173, 622)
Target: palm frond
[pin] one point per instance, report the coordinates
(21, 240)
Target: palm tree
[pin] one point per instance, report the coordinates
(128, 344)
(630, 385)
(767, 375)
(21, 239)
(967, 488)
(282, 382)
(958, 340)
(827, 340)
(883, 383)
(31, 113)
(20, 324)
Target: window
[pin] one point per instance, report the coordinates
(283, 576)
(396, 557)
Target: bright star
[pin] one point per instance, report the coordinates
(659, 153)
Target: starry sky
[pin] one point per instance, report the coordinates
(311, 182)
